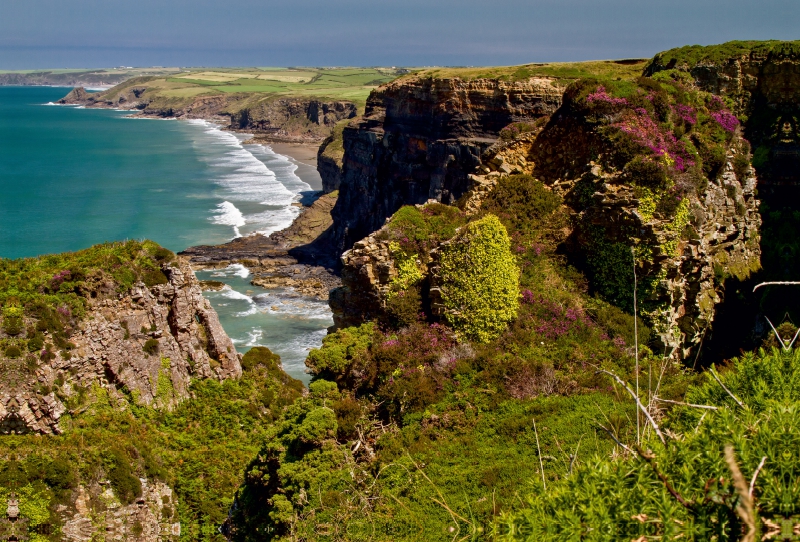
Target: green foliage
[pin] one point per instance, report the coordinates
(341, 350)
(150, 347)
(691, 55)
(199, 449)
(126, 484)
(479, 280)
(260, 356)
(417, 230)
(51, 293)
(408, 272)
(638, 496)
(530, 212)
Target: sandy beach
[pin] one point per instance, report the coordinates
(304, 155)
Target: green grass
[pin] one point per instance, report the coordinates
(691, 55)
(562, 72)
(353, 84)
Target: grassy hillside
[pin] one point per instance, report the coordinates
(351, 84)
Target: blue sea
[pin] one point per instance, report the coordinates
(72, 177)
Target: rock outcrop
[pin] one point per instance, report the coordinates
(763, 79)
(681, 261)
(145, 345)
(76, 96)
(152, 517)
(298, 257)
(420, 138)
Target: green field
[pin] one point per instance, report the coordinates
(352, 84)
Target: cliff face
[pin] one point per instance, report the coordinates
(763, 80)
(689, 234)
(294, 119)
(420, 138)
(148, 342)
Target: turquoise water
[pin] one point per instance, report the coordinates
(73, 177)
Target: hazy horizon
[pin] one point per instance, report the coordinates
(40, 34)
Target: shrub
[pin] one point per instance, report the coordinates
(13, 351)
(340, 350)
(154, 277)
(122, 477)
(418, 229)
(647, 173)
(697, 480)
(260, 356)
(150, 347)
(479, 280)
(36, 343)
(515, 129)
(403, 308)
(526, 208)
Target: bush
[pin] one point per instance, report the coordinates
(13, 351)
(122, 477)
(647, 173)
(525, 207)
(154, 277)
(36, 343)
(340, 350)
(403, 308)
(150, 346)
(479, 280)
(260, 356)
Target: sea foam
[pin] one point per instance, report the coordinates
(228, 215)
(250, 177)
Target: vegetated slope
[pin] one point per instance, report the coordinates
(655, 164)
(123, 316)
(761, 80)
(418, 426)
(139, 473)
(436, 429)
(726, 469)
(125, 410)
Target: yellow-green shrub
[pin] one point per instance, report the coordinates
(479, 280)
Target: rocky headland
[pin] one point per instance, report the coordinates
(270, 118)
(142, 345)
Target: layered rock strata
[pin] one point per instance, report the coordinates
(145, 345)
(684, 272)
(420, 138)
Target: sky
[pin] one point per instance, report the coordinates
(38, 34)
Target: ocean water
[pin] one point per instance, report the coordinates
(72, 177)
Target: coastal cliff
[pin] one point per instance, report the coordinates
(278, 118)
(419, 138)
(143, 344)
(763, 81)
(693, 218)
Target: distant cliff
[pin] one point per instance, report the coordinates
(277, 117)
